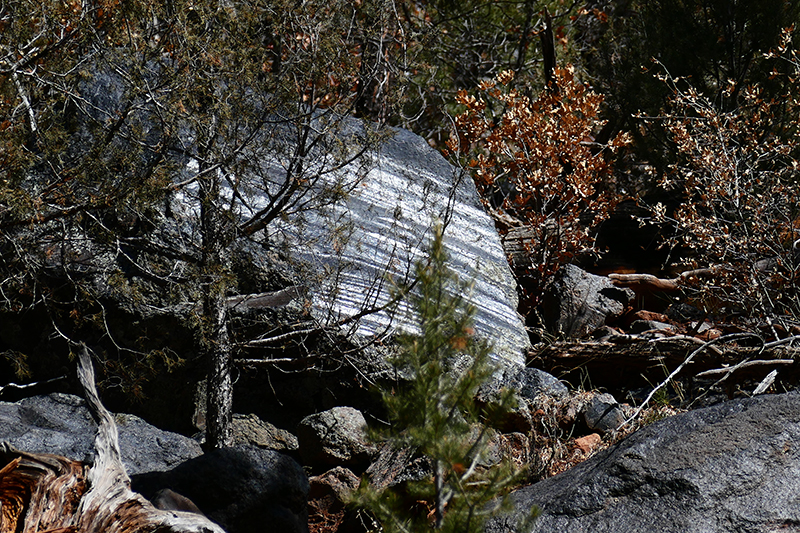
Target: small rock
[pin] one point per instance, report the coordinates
(588, 443)
(603, 413)
(249, 429)
(339, 482)
(335, 437)
(327, 499)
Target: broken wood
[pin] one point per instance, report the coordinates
(42, 492)
(648, 283)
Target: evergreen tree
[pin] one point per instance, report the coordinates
(435, 413)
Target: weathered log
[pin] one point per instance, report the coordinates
(42, 492)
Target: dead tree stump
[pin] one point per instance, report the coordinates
(53, 494)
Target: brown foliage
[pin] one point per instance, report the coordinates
(738, 179)
(536, 160)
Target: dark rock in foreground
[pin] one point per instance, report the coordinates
(242, 488)
(733, 467)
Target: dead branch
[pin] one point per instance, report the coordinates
(704, 347)
(743, 365)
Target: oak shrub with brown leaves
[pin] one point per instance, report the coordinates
(737, 176)
(536, 163)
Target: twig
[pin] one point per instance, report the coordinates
(265, 362)
(705, 346)
(780, 342)
(688, 338)
(744, 364)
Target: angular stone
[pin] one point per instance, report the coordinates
(603, 413)
(339, 482)
(578, 303)
(335, 437)
(588, 443)
(530, 385)
(249, 429)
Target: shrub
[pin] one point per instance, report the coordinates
(536, 162)
(737, 177)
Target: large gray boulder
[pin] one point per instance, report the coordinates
(391, 213)
(346, 255)
(733, 467)
(61, 424)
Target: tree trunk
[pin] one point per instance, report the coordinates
(219, 396)
(216, 341)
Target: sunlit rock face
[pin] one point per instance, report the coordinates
(349, 253)
(390, 216)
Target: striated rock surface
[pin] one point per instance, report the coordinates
(733, 467)
(391, 214)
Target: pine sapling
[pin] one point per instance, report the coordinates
(435, 413)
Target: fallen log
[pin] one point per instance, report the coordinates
(54, 494)
(629, 361)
